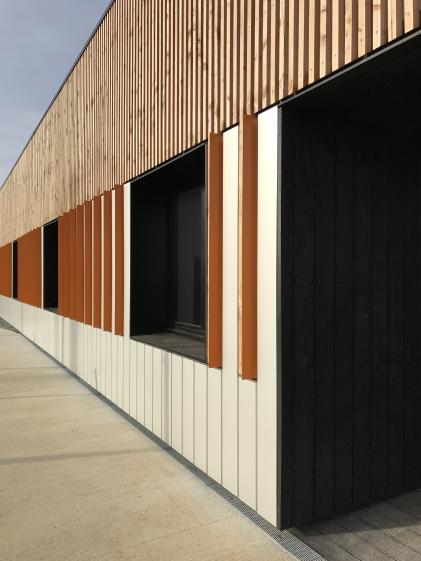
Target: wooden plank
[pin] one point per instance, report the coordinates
(362, 324)
(365, 29)
(266, 401)
(138, 96)
(107, 264)
(343, 323)
(214, 222)
(411, 15)
(325, 37)
(247, 248)
(338, 32)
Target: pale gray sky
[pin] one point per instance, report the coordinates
(39, 42)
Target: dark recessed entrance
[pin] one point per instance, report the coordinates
(350, 278)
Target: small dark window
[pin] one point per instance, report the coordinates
(168, 256)
(15, 269)
(51, 266)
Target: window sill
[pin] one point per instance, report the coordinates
(174, 343)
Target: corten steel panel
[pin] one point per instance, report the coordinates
(29, 268)
(88, 263)
(97, 260)
(72, 263)
(108, 261)
(214, 288)
(247, 248)
(80, 262)
(232, 58)
(119, 260)
(6, 270)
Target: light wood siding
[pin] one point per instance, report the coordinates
(157, 77)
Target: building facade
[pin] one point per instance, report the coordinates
(215, 225)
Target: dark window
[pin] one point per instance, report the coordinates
(51, 266)
(15, 269)
(168, 256)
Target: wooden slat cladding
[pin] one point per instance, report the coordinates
(108, 262)
(247, 248)
(119, 260)
(157, 77)
(29, 268)
(214, 288)
(97, 262)
(88, 263)
(6, 270)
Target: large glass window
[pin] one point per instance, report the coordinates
(51, 266)
(168, 256)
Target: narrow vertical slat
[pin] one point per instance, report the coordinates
(107, 264)
(88, 263)
(247, 248)
(325, 37)
(214, 286)
(411, 15)
(97, 262)
(338, 32)
(119, 260)
(365, 30)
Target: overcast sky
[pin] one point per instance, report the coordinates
(39, 42)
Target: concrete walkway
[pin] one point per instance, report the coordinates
(78, 482)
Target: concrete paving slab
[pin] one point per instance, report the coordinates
(80, 483)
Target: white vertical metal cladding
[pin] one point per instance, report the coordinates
(102, 261)
(226, 426)
(113, 261)
(229, 314)
(127, 257)
(177, 403)
(200, 416)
